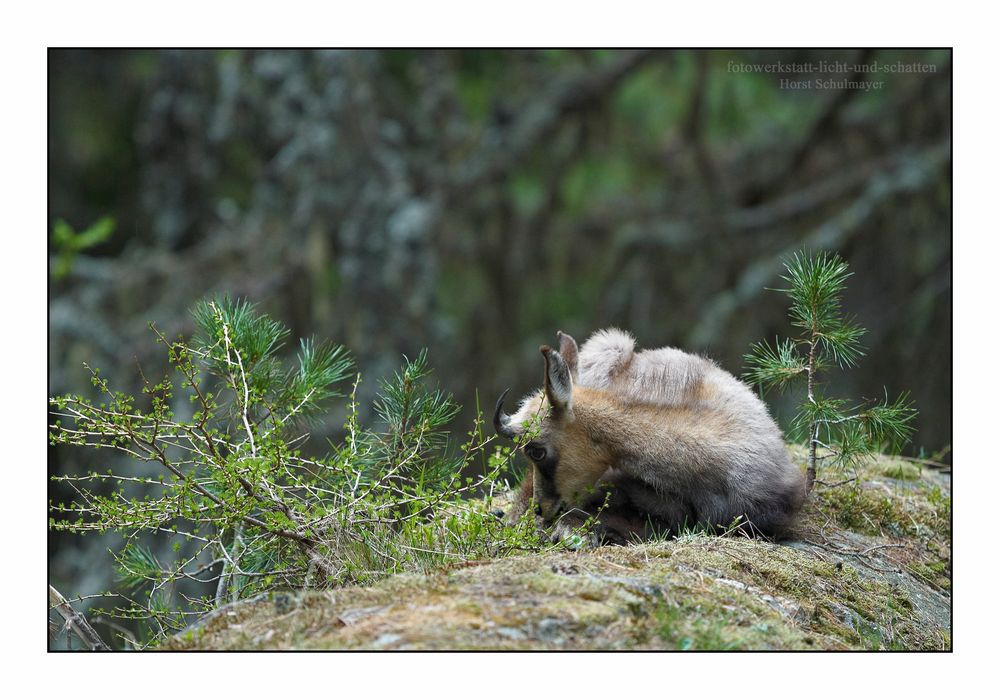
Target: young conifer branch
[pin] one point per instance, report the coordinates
(828, 337)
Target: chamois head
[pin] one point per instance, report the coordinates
(555, 399)
(561, 428)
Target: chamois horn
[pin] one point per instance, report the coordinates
(501, 421)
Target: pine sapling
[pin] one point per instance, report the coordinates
(844, 431)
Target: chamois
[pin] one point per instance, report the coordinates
(648, 442)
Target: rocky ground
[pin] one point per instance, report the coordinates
(869, 568)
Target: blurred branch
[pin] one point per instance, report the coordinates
(911, 175)
(650, 227)
(649, 223)
(541, 117)
(822, 127)
(694, 123)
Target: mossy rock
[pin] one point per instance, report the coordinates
(868, 568)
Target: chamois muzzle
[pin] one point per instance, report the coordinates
(501, 421)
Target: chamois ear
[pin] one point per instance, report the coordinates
(558, 382)
(568, 350)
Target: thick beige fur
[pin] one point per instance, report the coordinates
(664, 438)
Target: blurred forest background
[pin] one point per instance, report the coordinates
(474, 202)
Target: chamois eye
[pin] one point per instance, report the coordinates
(535, 453)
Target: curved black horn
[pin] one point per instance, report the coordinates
(501, 421)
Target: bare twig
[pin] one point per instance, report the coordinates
(836, 483)
(76, 622)
(862, 554)
(927, 462)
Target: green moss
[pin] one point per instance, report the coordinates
(860, 510)
(692, 627)
(834, 603)
(904, 471)
(937, 573)
(889, 497)
(941, 505)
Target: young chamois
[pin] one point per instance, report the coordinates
(649, 442)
